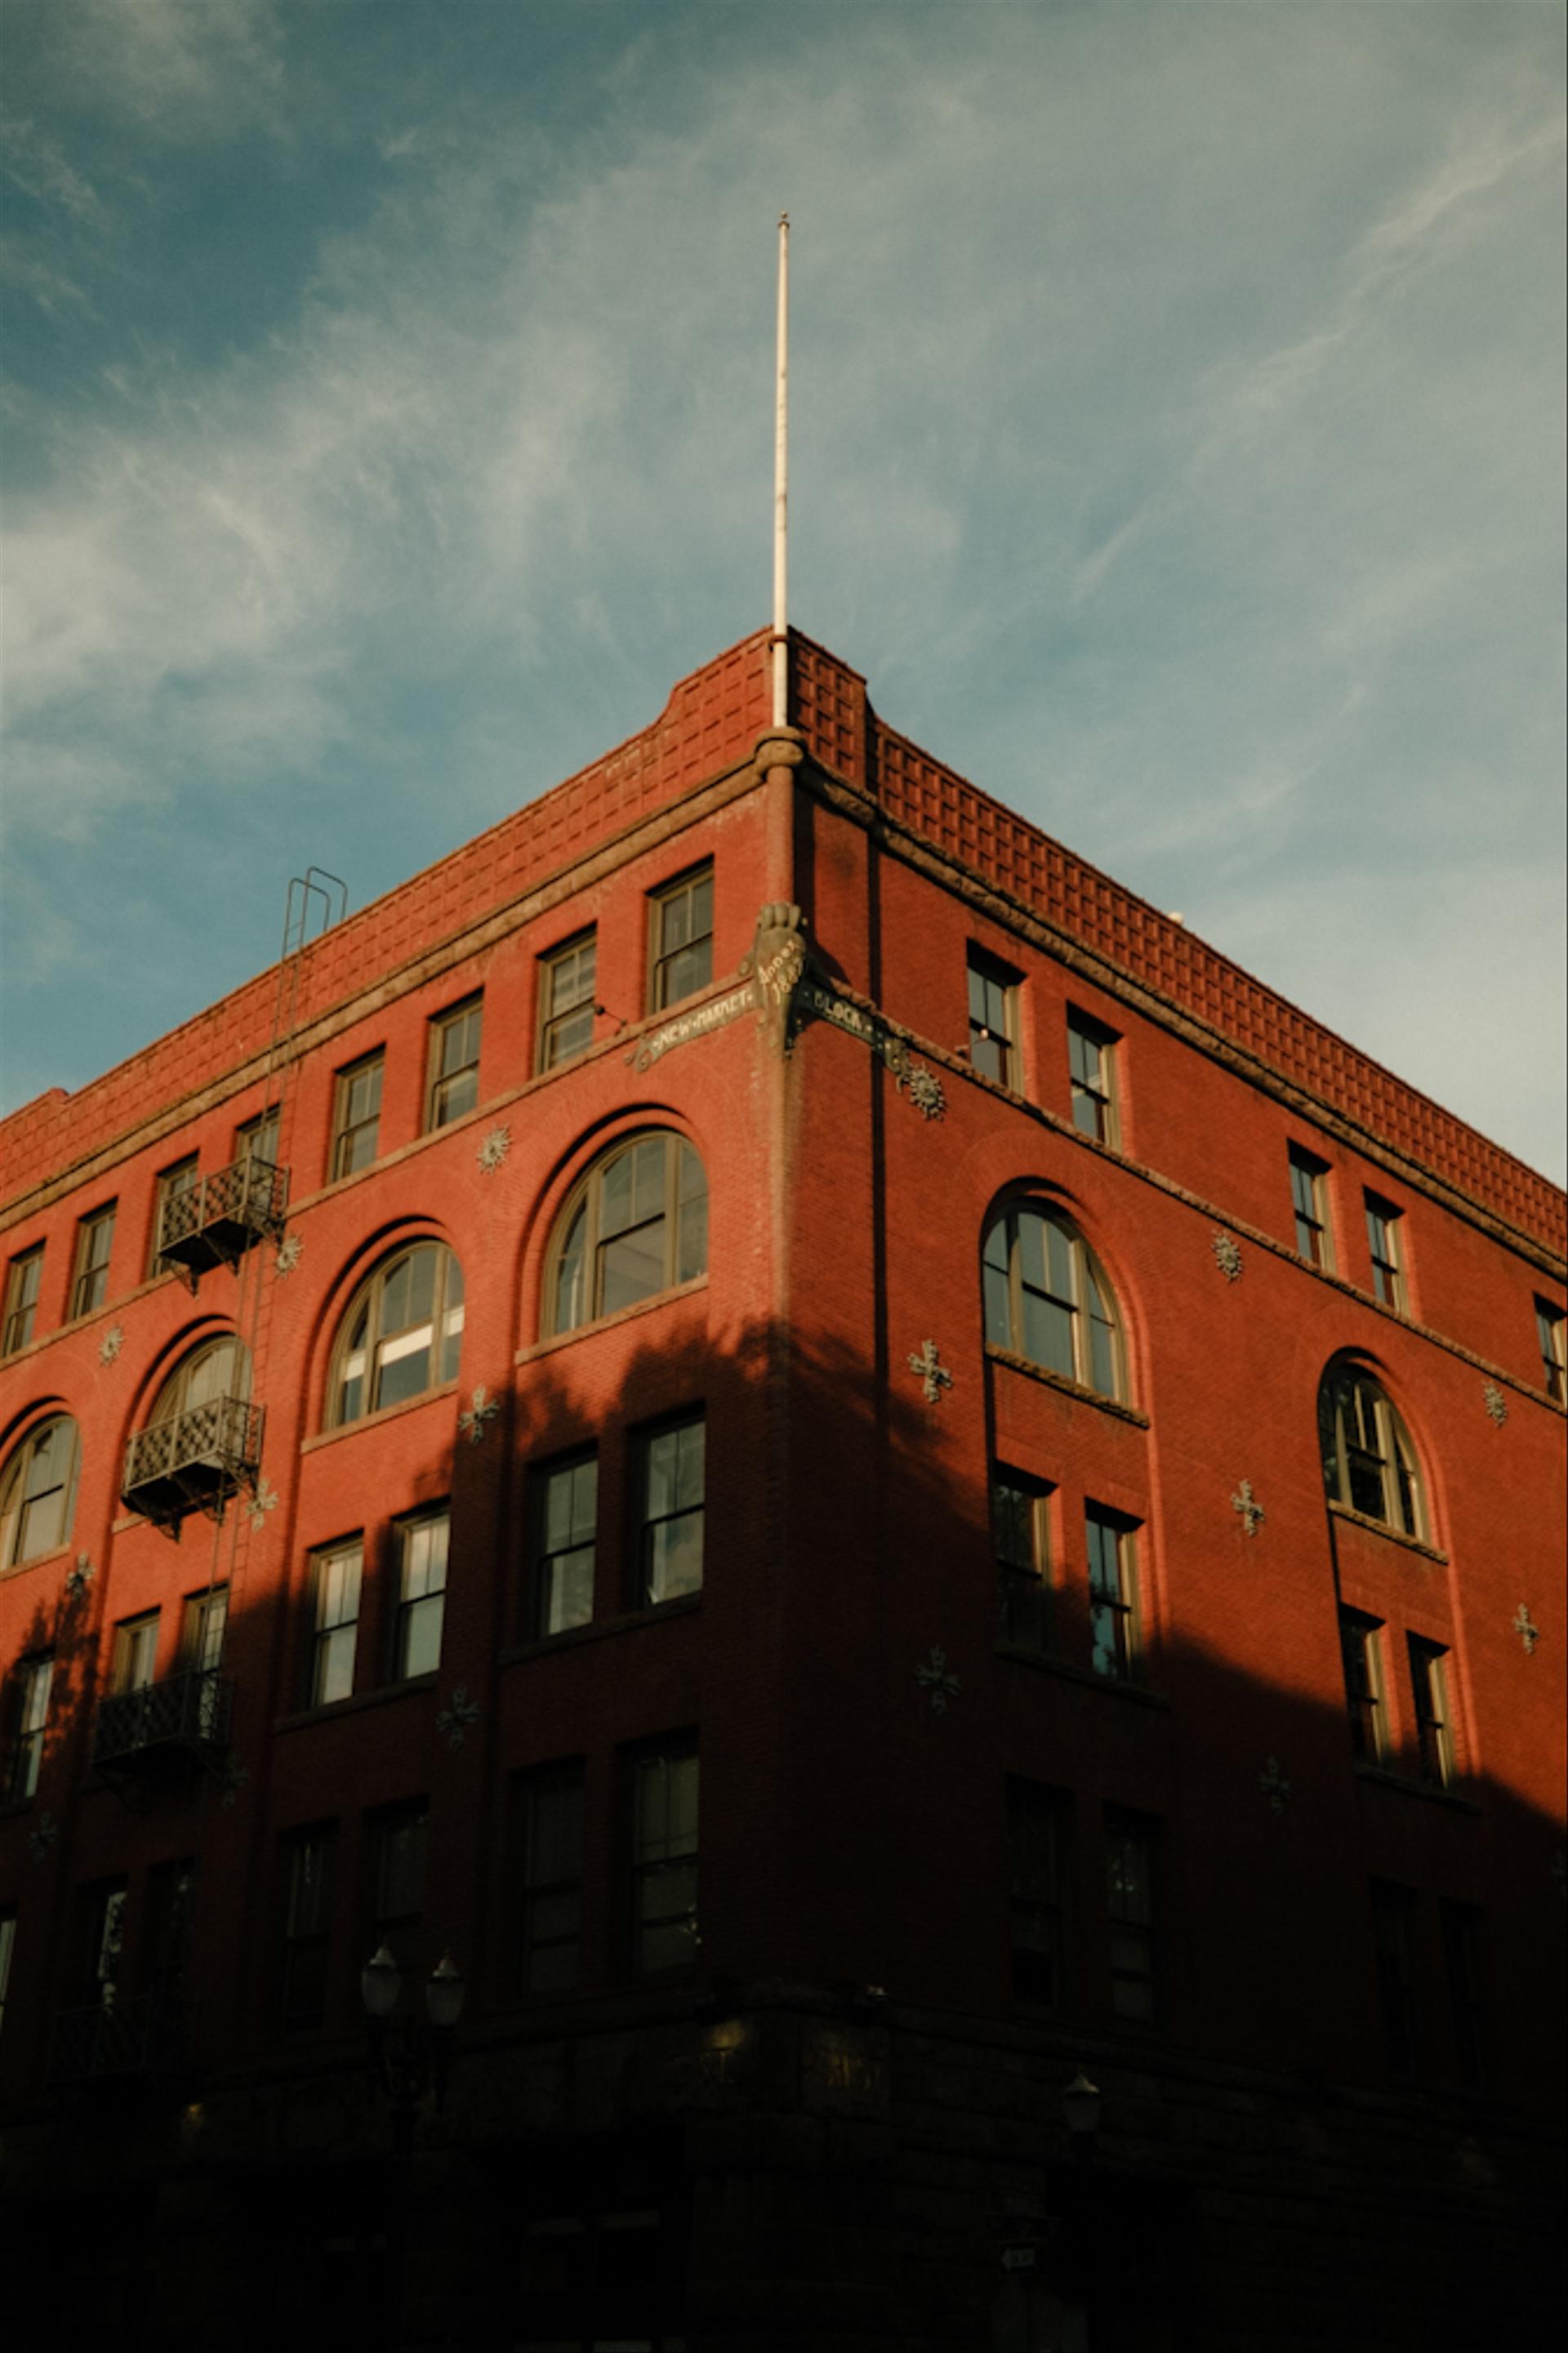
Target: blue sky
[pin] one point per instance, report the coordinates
(1177, 402)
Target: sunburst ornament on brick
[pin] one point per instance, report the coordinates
(111, 1345)
(288, 1253)
(1228, 1256)
(493, 1150)
(1495, 1403)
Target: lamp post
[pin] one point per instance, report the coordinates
(410, 2056)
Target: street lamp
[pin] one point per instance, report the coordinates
(410, 2056)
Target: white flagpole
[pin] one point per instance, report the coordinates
(781, 492)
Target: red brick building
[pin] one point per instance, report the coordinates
(869, 1482)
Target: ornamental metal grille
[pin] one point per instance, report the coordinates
(213, 1222)
(187, 1713)
(194, 1462)
(118, 2038)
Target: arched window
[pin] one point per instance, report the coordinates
(1046, 1299)
(37, 1491)
(636, 1225)
(217, 1368)
(402, 1333)
(1369, 1462)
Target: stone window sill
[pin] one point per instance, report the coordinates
(1116, 1686)
(1074, 1390)
(1380, 1528)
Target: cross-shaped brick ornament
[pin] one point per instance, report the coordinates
(934, 1377)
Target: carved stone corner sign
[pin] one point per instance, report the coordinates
(1274, 1785)
(775, 966)
(1525, 1627)
(1495, 1403)
(933, 1676)
(1252, 1512)
(1228, 1255)
(934, 1377)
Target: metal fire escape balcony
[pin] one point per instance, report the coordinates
(194, 1462)
(183, 1720)
(142, 2036)
(216, 1220)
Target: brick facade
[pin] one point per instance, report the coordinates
(1333, 2117)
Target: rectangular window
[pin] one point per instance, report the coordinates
(1382, 1238)
(398, 1880)
(1550, 1324)
(682, 938)
(1037, 1887)
(356, 1116)
(258, 1139)
(22, 1280)
(89, 1285)
(1020, 1536)
(168, 1187)
(135, 1656)
(1091, 1059)
(335, 1580)
(1129, 1905)
(992, 1018)
(1462, 1927)
(201, 1636)
(421, 1594)
(1113, 1594)
(309, 1858)
(166, 1957)
(566, 1506)
(1310, 1199)
(566, 1004)
(29, 1721)
(1361, 1648)
(549, 1832)
(664, 1861)
(7, 1946)
(670, 1551)
(1434, 1731)
(453, 1084)
(1393, 1936)
(99, 1935)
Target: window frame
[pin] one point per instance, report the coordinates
(315, 1844)
(1431, 1718)
(173, 1397)
(407, 1609)
(169, 1185)
(1551, 1337)
(89, 1277)
(1395, 1935)
(24, 1280)
(1104, 1122)
(1033, 1807)
(1366, 1702)
(644, 1867)
(341, 1164)
(647, 1523)
(1314, 1231)
(249, 1135)
(324, 1649)
(536, 1890)
(681, 888)
(1463, 1929)
(541, 1584)
(28, 1711)
(1132, 1915)
(1119, 1605)
(368, 1297)
(133, 1659)
(16, 1502)
(204, 1627)
(399, 1930)
(1385, 1248)
(1025, 1594)
(1093, 1302)
(586, 1198)
(1391, 1450)
(549, 1054)
(1005, 980)
(440, 1081)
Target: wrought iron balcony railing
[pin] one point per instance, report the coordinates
(194, 1462)
(134, 2037)
(215, 1221)
(183, 1716)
